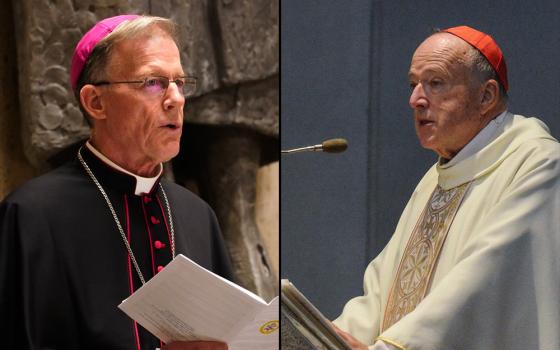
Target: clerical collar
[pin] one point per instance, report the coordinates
(481, 140)
(143, 184)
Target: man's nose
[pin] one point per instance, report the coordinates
(418, 97)
(174, 97)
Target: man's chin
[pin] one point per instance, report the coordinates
(170, 153)
(164, 150)
(426, 142)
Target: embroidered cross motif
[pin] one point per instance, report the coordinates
(421, 253)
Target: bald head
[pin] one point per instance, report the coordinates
(458, 52)
(451, 102)
(444, 50)
(481, 70)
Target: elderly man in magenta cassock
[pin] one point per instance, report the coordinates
(77, 241)
(474, 262)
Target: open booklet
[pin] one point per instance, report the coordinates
(312, 329)
(184, 301)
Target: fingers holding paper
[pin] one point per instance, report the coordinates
(353, 342)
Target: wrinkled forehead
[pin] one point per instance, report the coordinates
(441, 49)
(150, 46)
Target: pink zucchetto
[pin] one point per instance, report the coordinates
(89, 41)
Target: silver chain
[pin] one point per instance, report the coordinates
(170, 221)
(130, 253)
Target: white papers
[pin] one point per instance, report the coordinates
(308, 320)
(184, 301)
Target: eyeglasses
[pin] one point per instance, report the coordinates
(157, 86)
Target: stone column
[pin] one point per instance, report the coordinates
(234, 159)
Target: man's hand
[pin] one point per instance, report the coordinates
(353, 342)
(196, 345)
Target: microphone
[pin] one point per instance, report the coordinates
(329, 146)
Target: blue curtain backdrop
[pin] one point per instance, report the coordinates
(344, 68)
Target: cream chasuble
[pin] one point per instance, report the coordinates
(496, 281)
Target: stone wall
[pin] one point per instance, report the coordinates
(231, 46)
(14, 167)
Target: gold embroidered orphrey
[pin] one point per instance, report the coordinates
(421, 253)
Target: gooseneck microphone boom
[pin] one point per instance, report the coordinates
(329, 146)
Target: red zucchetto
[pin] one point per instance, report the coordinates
(487, 47)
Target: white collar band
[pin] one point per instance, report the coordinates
(143, 184)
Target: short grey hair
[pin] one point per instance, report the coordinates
(482, 69)
(96, 64)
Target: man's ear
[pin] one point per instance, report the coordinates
(490, 96)
(92, 101)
